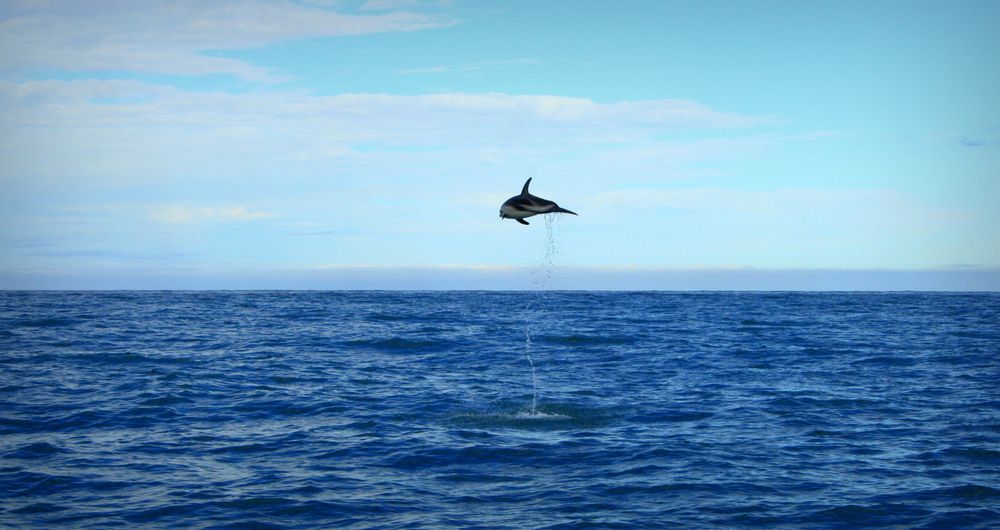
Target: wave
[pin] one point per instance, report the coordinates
(384, 410)
(399, 344)
(586, 340)
(48, 322)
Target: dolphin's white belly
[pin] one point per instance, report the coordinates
(538, 208)
(514, 213)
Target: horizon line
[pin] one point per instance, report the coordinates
(512, 278)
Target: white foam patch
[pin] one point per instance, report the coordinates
(522, 415)
(536, 415)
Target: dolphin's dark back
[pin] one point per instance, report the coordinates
(527, 205)
(535, 200)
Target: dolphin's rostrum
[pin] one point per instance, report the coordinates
(525, 205)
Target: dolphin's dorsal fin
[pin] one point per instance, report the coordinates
(524, 190)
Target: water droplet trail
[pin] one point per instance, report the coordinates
(542, 280)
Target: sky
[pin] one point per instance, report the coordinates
(369, 144)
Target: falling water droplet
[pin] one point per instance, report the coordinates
(542, 280)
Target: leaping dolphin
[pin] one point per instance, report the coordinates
(525, 205)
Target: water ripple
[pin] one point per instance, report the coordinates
(414, 410)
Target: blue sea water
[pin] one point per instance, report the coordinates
(421, 409)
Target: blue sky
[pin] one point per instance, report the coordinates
(332, 144)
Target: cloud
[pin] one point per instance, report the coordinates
(387, 5)
(173, 37)
(971, 142)
(121, 131)
(661, 113)
(469, 67)
(109, 100)
(200, 214)
(115, 255)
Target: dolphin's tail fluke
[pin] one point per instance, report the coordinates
(559, 209)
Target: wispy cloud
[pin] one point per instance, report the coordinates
(198, 214)
(971, 142)
(469, 67)
(393, 5)
(115, 255)
(118, 130)
(172, 38)
(73, 102)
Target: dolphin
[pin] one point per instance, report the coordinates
(525, 205)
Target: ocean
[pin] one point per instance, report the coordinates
(493, 410)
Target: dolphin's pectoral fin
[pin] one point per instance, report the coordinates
(522, 221)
